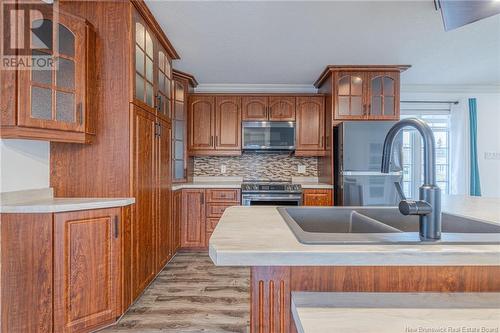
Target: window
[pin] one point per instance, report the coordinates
(438, 118)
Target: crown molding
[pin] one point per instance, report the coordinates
(255, 88)
(451, 88)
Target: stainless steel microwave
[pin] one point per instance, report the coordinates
(269, 135)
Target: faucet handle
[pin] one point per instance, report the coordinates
(412, 207)
(399, 189)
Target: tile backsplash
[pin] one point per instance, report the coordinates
(256, 166)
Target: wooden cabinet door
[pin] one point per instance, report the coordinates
(164, 196)
(350, 96)
(254, 108)
(281, 108)
(144, 188)
(201, 118)
(86, 269)
(54, 97)
(383, 95)
(177, 218)
(310, 129)
(228, 123)
(317, 197)
(193, 218)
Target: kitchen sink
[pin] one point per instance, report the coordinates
(379, 225)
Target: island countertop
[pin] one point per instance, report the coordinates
(258, 236)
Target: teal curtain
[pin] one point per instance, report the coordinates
(475, 184)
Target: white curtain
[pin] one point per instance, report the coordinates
(459, 148)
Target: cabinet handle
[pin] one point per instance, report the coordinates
(158, 103)
(159, 129)
(79, 111)
(322, 143)
(202, 199)
(216, 139)
(117, 223)
(211, 140)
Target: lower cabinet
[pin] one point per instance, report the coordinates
(317, 197)
(62, 272)
(176, 219)
(86, 269)
(201, 211)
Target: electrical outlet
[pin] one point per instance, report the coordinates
(301, 169)
(223, 169)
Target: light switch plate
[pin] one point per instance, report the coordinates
(301, 169)
(223, 169)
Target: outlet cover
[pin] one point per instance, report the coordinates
(223, 169)
(301, 169)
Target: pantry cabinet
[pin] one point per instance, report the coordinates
(214, 125)
(56, 99)
(362, 92)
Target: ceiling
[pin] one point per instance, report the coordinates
(290, 42)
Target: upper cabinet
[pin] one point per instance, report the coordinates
(153, 80)
(214, 125)
(56, 99)
(363, 92)
(268, 108)
(310, 126)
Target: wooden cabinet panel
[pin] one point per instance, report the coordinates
(201, 123)
(26, 277)
(211, 224)
(86, 269)
(254, 108)
(281, 108)
(216, 209)
(126, 258)
(177, 218)
(145, 187)
(310, 126)
(228, 123)
(163, 201)
(193, 218)
(223, 195)
(317, 197)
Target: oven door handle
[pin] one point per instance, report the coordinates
(266, 198)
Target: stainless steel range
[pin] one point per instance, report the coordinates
(270, 193)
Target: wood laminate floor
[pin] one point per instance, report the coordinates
(192, 295)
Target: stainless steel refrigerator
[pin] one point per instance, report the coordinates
(358, 155)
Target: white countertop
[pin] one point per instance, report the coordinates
(325, 312)
(42, 201)
(258, 236)
(235, 182)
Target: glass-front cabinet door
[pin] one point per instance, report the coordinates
(52, 92)
(164, 77)
(350, 95)
(179, 126)
(384, 95)
(144, 65)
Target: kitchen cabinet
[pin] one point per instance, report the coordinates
(317, 197)
(362, 92)
(86, 269)
(214, 125)
(268, 108)
(310, 126)
(193, 218)
(177, 219)
(200, 212)
(53, 102)
(181, 164)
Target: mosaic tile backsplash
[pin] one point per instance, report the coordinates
(256, 166)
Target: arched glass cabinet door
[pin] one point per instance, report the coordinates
(164, 94)
(383, 95)
(53, 91)
(144, 65)
(350, 96)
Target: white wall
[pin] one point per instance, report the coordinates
(488, 113)
(24, 164)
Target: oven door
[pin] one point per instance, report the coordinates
(271, 199)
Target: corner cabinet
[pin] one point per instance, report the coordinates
(214, 125)
(364, 92)
(57, 99)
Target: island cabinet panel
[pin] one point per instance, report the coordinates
(86, 269)
(272, 286)
(26, 273)
(310, 126)
(193, 218)
(317, 197)
(282, 108)
(228, 123)
(255, 108)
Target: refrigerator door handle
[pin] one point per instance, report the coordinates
(370, 173)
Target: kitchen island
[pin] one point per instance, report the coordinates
(259, 237)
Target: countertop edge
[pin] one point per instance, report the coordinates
(71, 205)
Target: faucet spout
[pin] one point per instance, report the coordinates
(428, 208)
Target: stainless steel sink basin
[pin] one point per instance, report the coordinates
(379, 225)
